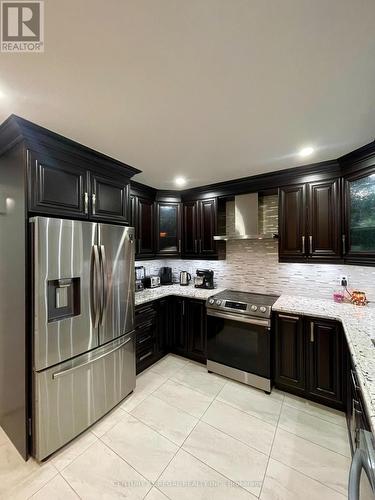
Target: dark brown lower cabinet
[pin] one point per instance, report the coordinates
(172, 324)
(196, 330)
(309, 358)
(189, 329)
(290, 353)
(325, 378)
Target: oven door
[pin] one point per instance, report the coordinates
(240, 342)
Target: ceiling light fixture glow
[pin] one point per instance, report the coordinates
(180, 181)
(306, 152)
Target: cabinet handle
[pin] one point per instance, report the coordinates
(311, 243)
(312, 331)
(93, 202)
(179, 246)
(86, 201)
(183, 308)
(145, 356)
(343, 244)
(196, 246)
(144, 339)
(285, 316)
(303, 244)
(354, 380)
(139, 245)
(200, 246)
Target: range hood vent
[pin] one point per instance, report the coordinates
(246, 215)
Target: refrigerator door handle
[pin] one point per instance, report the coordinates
(93, 360)
(104, 299)
(95, 279)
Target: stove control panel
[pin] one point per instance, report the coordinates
(233, 304)
(240, 306)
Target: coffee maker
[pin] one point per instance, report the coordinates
(204, 279)
(165, 274)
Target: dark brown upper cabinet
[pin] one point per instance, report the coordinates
(207, 226)
(199, 228)
(310, 222)
(292, 222)
(57, 187)
(144, 227)
(359, 217)
(324, 221)
(168, 229)
(110, 198)
(190, 228)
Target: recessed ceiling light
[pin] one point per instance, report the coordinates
(180, 181)
(306, 151)
(2, 94)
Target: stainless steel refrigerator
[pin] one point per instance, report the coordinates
(83, 320)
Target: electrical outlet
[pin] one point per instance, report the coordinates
(343, 280)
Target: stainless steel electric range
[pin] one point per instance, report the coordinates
(238, 336)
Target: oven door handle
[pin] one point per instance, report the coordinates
(239, 317)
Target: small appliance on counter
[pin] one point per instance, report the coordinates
(165, 274)
(151, 281)
(204, 279)
(185, 278)
(139, 277)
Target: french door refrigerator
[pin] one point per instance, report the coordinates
(83, 326)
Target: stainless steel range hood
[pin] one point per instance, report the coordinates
(246, 215)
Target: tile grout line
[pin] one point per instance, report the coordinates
(308, 477)
(312, 442)
(180, 447)
(269, 456)
(314, 416)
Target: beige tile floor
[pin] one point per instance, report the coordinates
(186, 434)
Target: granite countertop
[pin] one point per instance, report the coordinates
(190, 291)
(359, 327)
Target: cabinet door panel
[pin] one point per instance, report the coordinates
(196, 330)
(146, 227)
(324, 220)
(168, 228)
(57, 187)
(164, 327)
(110, 198)
(292, 222)
(290, 352)
(359, 200)
(325, 360)
(207, 226)
(190, 228)
(179, 343)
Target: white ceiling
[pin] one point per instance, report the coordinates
(208, 89)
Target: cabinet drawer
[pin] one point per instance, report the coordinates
(145, 334)
(145, 314)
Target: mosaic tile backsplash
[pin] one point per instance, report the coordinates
(253, 266)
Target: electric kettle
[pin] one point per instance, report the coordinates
(185, 277)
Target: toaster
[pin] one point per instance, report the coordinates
(151, 281)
